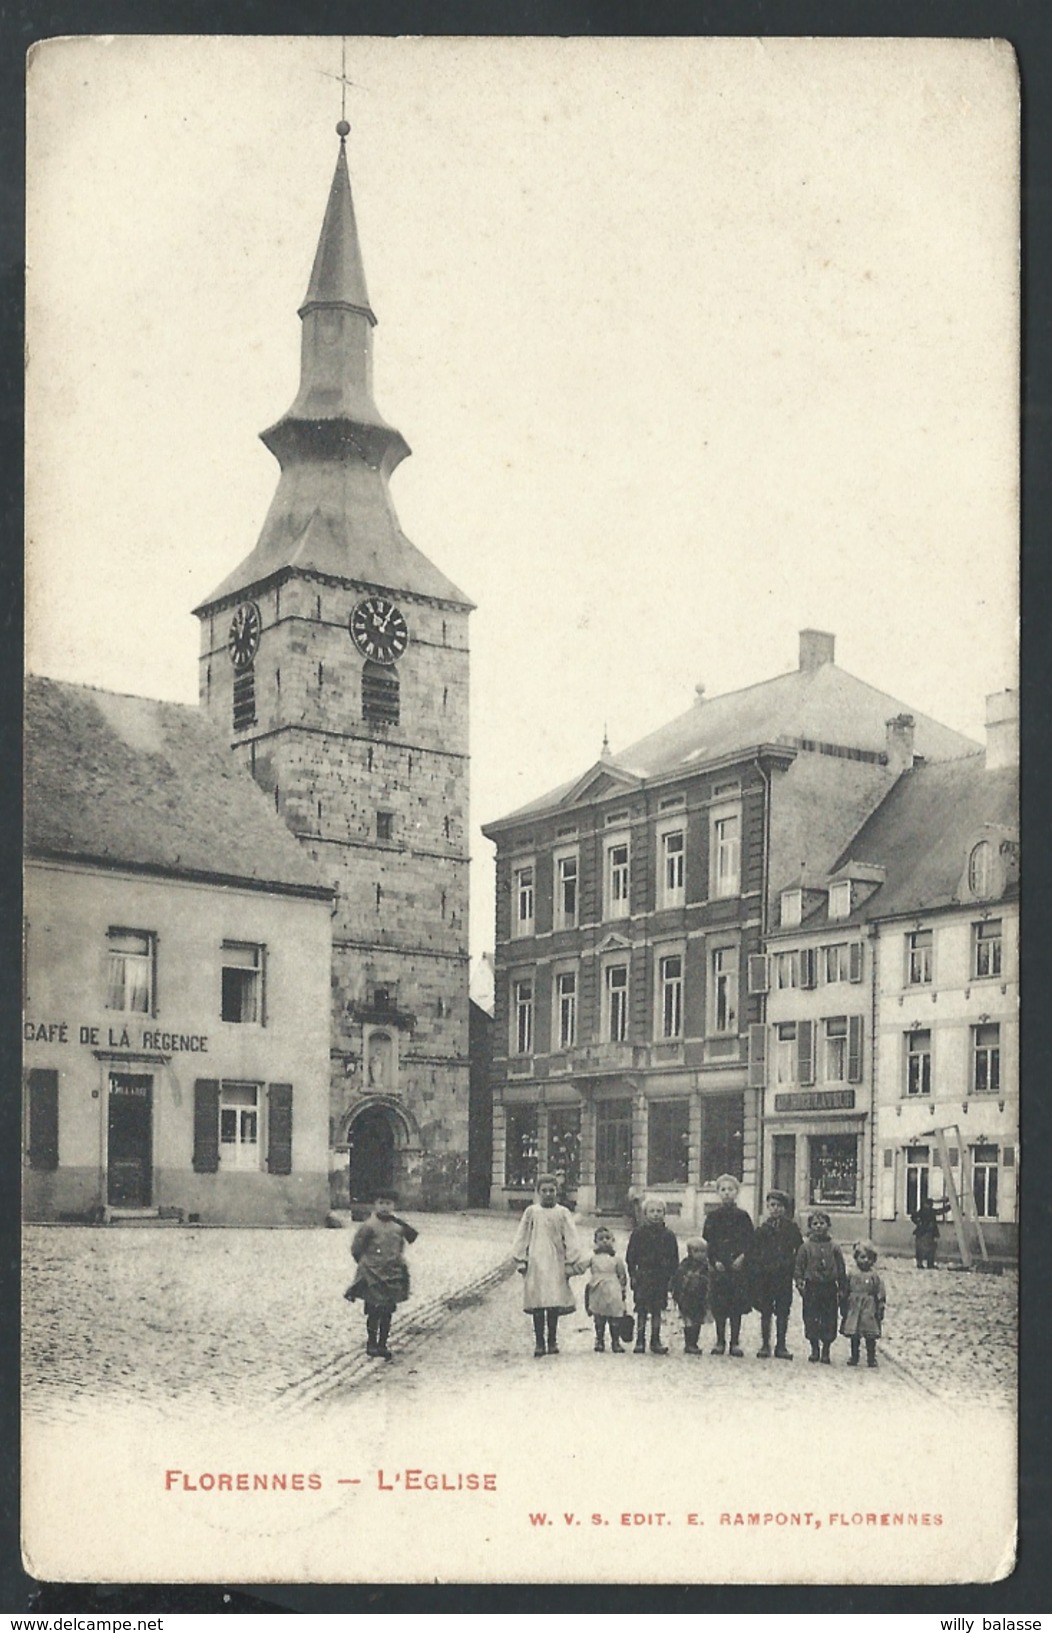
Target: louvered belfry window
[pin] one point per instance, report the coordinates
(380, 693)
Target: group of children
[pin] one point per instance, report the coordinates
(730, 1269)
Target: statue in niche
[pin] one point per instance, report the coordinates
(381, 1062)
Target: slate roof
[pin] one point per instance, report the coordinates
(922, 831)
(134, 782)
(823, 704)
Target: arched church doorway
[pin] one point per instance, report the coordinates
(372, 1153)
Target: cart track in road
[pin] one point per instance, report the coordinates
(357, 1369)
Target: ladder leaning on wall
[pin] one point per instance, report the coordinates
(969, 1212)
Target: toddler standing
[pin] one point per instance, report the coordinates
(652, 1258)
(820, 1281)
(862, 1305)
(605, 1292)
(690, 1288)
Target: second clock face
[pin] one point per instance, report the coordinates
(246, 627)
(379, 630)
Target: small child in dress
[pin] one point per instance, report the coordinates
(382, 1278)
(652, 1260)
(862, 1305)
(605, 1293)
(820, 1280)
(547, 1254)
(690, 1289)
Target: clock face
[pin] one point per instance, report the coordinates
(379, 630)
(246, 627)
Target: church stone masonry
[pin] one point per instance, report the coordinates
(335, 657)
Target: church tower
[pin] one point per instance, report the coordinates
(336, 659)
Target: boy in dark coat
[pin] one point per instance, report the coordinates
(728, 1232)
(925, 1235)
(772, 1260)
(690, 1287)
(821, 1280)
(652, 1258)
(382, 1278)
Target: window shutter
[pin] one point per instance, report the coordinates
(854, 1048)
(155, 975)
(805, 1051)
(279, 1128)
(262, 986)
(759, 981)
(757, 1055)
(854, 953)
(808, 967)
(43, 1119)
(206, 1125)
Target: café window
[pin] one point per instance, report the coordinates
(242, 982)
(239, 1142)
(668, 1142)
(833, 1170)
(520, 1148)
(131, 976)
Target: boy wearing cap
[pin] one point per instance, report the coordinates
(821, 1280)
(775, 1245)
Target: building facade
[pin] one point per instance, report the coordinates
(632, 905)
(334, 659)
(175, 944)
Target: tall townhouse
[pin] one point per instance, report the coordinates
(944, 940)
(630, 903)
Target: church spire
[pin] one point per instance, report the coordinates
(332, 512)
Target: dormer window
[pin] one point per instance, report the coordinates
(840, 899)
(981, 869)
(792, 908)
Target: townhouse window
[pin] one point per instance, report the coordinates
(520, 1147)
(670, 987)
(918, 1168)
(132, 972)
(986, 948)
(668, 1142)
(787, 969)
(840, 899)
(523, 894)
(615, 998)
(722, 1136)
(835, 958)
(617, 878)
(239, 1131)
(522, 1017)
(919, 958)
(918, 1062)
(671, 868)
(791, 908)
(984, 1180)
(986, 1059)
(725, 989)
(242, 982)
(566, 891)
(833, 1170)
(564, 1144)
(836, 1049)
(726, 853)
(785, 1053)
(566, 1008)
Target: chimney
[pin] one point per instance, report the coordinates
(1002, 729)
(898, 742)
(816, 648)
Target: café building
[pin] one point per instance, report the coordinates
(175, 972)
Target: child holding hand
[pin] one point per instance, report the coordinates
(547, 1253)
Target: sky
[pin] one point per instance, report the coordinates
(697, 343)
